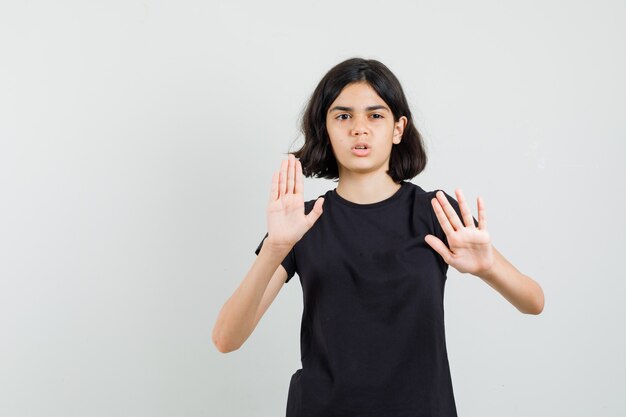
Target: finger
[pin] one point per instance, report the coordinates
(316, 212)
(449, 211)
(441, 216)
(282, 182)
(291, 170)
(439, 247)
(274, 188)
(299, 185)
(482, 214)
(465, 211)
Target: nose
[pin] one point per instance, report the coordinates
(359, 127)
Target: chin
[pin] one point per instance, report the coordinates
(364, 168)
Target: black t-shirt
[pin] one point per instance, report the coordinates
(372, 339)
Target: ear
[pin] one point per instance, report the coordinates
(398, 129)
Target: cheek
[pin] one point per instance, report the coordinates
(389, 131)
(332, 127)
(334, 134)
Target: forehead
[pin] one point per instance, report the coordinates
(358, 94)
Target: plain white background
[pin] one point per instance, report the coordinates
(137, 145)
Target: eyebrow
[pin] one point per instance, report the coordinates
(369, 108)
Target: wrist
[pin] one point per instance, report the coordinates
(280, 248)
(489, 272)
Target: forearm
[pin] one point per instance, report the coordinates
(519, 289)
(236, 318)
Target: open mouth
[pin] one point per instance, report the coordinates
(360, 149)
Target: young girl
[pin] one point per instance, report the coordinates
(372, 257)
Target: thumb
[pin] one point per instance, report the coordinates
(439, 247)
(316, 212)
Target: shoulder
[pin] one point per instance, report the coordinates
(419, 192)
(428, 194)
(308, 205)
(423, 198)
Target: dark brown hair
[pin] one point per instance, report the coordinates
(408, 158)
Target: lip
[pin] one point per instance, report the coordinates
(361, 152)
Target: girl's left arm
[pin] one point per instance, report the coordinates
(519, 289)
(470, 251)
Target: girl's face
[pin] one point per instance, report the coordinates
(359, 118)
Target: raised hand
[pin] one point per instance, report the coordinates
(470, 247)
(286, 221)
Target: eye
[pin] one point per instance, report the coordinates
(342, 116)
(377, 116)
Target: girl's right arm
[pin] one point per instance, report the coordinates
(286, 224)
(236, 320)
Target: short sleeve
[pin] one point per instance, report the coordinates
(289, 263)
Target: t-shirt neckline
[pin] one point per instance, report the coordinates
(377, 204)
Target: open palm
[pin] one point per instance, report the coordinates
(470, 248)
(286, 221)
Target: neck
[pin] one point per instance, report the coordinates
(366, 189)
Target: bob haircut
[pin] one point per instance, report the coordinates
(408, 158)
